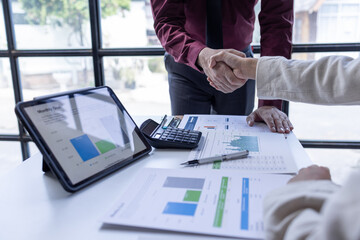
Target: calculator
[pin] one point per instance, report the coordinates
(169, 137)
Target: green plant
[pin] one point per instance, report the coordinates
(71, 12)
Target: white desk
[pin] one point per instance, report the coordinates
(33, 205)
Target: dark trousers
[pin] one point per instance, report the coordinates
(191, 93)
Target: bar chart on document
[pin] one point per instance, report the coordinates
(268, 152)
(217, 202)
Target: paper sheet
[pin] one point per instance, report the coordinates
(269, 152)
(224, 203)
(221, 123)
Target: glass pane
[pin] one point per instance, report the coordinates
(51, 24)
(8, 122)
(324, 122)
(326, 21)
(10, 156)
(140, 83)
(340, 162)
(47, 75)
(127, 24)
(3, 42)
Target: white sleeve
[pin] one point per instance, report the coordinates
(329, 80)
(293, 211)
(314, 210)
(341, 213)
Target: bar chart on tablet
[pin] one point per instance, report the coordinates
(101, 136)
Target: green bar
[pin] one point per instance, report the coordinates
(217, 165)
(104, 146)
(192, 196)
(221, 203)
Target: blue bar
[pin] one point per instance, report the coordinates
(190, 125)
(245, 205)
(84, 147)
(186, 209)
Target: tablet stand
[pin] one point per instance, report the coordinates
(45, 166)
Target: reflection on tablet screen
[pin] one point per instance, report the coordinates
(86, 133)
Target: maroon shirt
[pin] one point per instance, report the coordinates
(180, 27)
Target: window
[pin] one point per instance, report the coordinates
(51, 48)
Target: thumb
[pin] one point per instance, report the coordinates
(218, 57)
(238, 73)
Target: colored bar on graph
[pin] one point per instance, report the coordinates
(84, 147)
(192, 196)
(216, 165)
(105, 146)
(245, 205)
(190, 125)
(180, 182)
(221, 202)
(185, 209)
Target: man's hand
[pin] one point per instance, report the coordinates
(313, 172)
(276, 120)
(244, 68)
(220, 76)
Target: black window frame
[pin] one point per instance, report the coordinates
(98, 53)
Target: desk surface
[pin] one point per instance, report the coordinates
(33, 205)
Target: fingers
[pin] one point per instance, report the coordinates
(236, 52)
(223, 79)
(276, 120)
(312, 172)
(230, 57)
(270, 123)
(251, 119)
(282, 122)
(220, 70)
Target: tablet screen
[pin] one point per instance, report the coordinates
(86, 132)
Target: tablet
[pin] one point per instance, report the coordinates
(83, 135)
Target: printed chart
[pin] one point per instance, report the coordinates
(211, 202)
(221, 123)
(269, 153)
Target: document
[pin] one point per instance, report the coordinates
(221, 123)
(268, 152)
(223, 203)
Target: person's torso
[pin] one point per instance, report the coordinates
(238, 19)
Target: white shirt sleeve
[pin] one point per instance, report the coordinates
(314, 210)
(293, 211)
(329, 80)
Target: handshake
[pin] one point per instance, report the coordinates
(227, 69)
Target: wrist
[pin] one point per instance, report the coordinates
(201, 59)
(250, 68)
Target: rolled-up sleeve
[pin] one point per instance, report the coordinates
(169, 25)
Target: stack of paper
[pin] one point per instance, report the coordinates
(220, 202)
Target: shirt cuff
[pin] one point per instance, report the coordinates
(193, 54)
